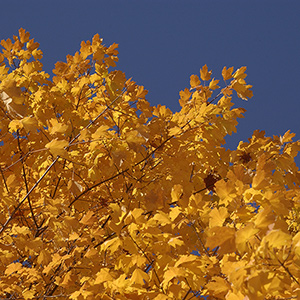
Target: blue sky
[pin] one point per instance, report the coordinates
(162, 43)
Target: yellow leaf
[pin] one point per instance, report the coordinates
(214, 84)
(20, 230)
(44, 257)
(57, 147)
(103, 276)
(15, 125)
(194, 81)
(73, 236)
(86, 294)
(236, 296)
(91, 253)
(287, 137)
(172, 272)
(94, 173)
(67, 280)
(24, 36)
(12, 181)
(276, 239)
(74, 187)
(174, 242)
(139, 277)
(89, 218)
(227, 73)
(56, 127)
(28, 294)
(243, 91)
(121, 283)
(218, 287)
(12, 93)
(185, 259)
(98, 55)
(264, 218)
(75, 295)
(185, 95)
(162, 218)
(85, 134)
(240, 73)
(13, 267)
(204, 73)
(176, 192)
(244, 235)
(112, 244)
(222, 237)
(174, 213)
(100, 132)
(134, 137)
(218, 216)
(259, 179)
(175, 130)
(29, 123)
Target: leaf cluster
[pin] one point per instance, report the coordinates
(104, 196)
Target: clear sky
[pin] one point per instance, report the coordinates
(161, 43)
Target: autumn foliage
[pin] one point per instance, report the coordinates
(104, 196)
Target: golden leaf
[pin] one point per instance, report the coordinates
(185, 259)
(44, 257)
(218, 286)
(222, 237)
(67, 281)
(30, 123)
(227, 73)
(213, 85)
(243, 236)
(171, 273)
(139, 277)
(218, 216)
(174, 242)
(100, 132)
(15, 125)
(103, 276)
(112, 244)
(56, 127)
(276, 239)
(89, 218)
(162, 218)
(57, 147)
(28, 294)
(176, 192)
(205, 74)
(12, 268)
(194, 81)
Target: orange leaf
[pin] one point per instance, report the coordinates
(227, 73)
(205, 74)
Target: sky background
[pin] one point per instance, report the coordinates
(161, 43)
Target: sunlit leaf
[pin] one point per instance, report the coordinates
(57, 147)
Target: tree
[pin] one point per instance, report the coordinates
(106, 197)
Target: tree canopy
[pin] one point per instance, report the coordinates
(104, 196)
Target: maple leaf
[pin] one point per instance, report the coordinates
(57, 147)
(13, 267)
(227, 73)
(204, 73)
(139, 277)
